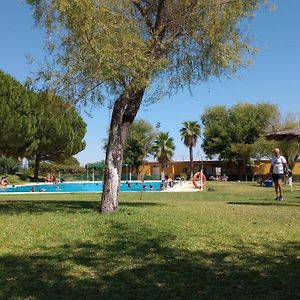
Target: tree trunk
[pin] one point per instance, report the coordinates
(37, 166)
(124, 112)
(137, 167)
(243, 170)
(240, 167)
(246, 171)
(191, 161)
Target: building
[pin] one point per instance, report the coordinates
(176, 169)
(263, 168)
(152, 170)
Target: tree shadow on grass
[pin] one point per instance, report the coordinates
(43, 206)
(264, 203)
(143, 264)
(61, 206)
(139, 204)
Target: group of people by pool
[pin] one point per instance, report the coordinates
(143, 185)
(166, 183)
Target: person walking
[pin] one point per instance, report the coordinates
(277, 170)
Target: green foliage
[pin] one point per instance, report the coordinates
(37, 124)
(55, 168)
(128, 44)
(139, 143)
(232, 133)
(262, 148)
(69, 161)
(163, 148)
(8, 165)
(216, 136)
(190, 132)
(61, 130)
(26, 175)
(18, 120)
(248, 121)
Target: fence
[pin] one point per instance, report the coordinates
(100, 177)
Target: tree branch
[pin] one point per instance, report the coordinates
(145, 16)
(160, 8)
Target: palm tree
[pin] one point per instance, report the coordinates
(189, 134)
(163, 150)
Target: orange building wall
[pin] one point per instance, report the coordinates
(178, 168)
(296, 169)
(264, 168)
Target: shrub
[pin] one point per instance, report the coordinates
(53, 168)
(8, 165)
(25, 175)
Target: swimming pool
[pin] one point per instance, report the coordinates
(81, 187)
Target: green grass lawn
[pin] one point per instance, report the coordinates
(233, 243)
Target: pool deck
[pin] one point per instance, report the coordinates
(184, 186)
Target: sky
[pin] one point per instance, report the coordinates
(274, 76)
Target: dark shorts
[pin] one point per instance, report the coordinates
(277, 177)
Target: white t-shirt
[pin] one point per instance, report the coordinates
(277, 163)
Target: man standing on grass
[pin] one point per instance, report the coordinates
(277, 171)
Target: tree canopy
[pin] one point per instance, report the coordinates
(120, 44)
(139, 143)
(163, 149)
(60, 130)
(8, 165)
(18, 122)
(232, 133)
(41, 125)
(189, 134)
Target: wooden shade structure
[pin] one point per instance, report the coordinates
(285, 135)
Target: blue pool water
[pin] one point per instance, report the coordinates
(67, 187)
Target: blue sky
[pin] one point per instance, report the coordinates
(274, 76)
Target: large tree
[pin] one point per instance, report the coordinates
(60, 130)
(41, 124)
(189, 134)
(18, 122)
(232, 133)
(163, 150)
(216, 137)
(123, 47)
